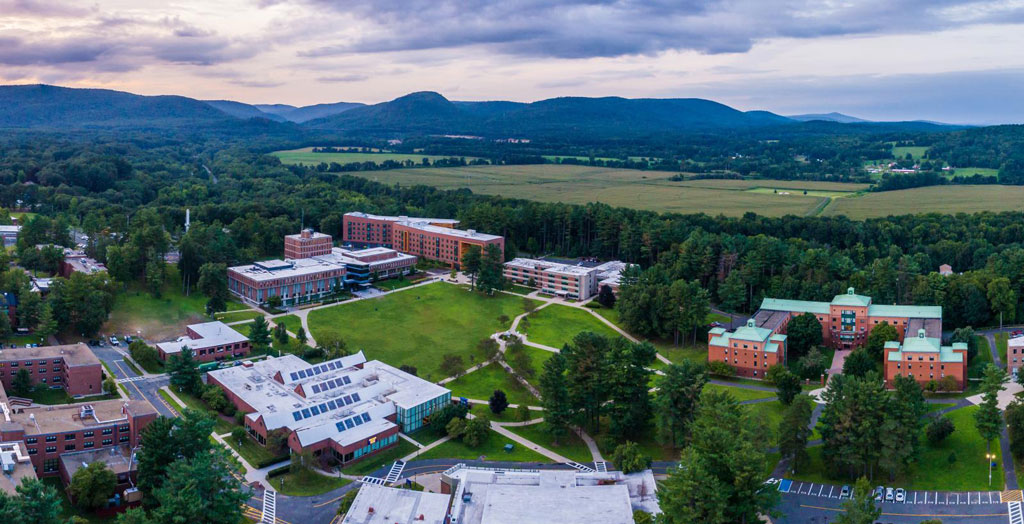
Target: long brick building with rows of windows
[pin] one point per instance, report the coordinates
(846, 322)
(428, 238)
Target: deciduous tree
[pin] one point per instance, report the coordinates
(92, 485)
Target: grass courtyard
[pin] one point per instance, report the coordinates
(418, 326)
(571, 446)
(306, 483)
(493, 448)
(977, 365)
(933, 469)
(556, 325)
(136, 310)
(482, 383)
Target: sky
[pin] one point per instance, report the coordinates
(957, 61)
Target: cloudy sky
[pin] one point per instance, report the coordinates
(946, 60)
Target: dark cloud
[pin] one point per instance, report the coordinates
(17, 52)
(608, 28)
(257, 83)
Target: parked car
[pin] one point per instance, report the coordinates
(889, 494)
(901, 495)
(845, 492)
(1017, 334)
(113, 341)
(878, 493)
(127, 339)
(715, 324)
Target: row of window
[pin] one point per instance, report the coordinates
(85, 445)
(27, 363)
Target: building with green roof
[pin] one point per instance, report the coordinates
(925, 359)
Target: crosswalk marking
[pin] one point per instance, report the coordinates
(1014, 512)
(373, 480)
(269, 507)
(395, 472)
(581, 467)
(602, 466)
(130, 379)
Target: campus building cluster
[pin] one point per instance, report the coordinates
(207, 341)
(579, 280)
(473, 495)
(313, 268)
(846, 322)
(347, 408)
(434, 239)
(50, 441)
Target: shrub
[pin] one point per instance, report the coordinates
(939, 429)
(717, 367)
(522, 413)
(312, 353)
(439, 419)
(629, 458)
(952, 457)
(452, 365)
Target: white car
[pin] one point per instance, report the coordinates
(878, 493)
(901, 495)
(889, 494)
(113, 341)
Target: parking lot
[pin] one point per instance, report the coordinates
(830, 491)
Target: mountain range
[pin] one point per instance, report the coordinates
(52, 107)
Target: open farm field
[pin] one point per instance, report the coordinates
(649, 190)
(932, 199)
(308, 157)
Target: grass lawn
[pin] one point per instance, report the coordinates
(556, 325)
(937, 407)
(481, 383)
(685, 351)
(252, 451)
(520, 290)
(933, 471)
(771, 414)
(52, 396)
(571, 446)
(22, 340)
(135, 310)
(291, 322)
(306, 483)
(419, 326)
(509, 415)
(392, 284)
(537, 359)
(980, 361)
(384, 458)
(1002, 339)
(741, 394)
(491, 449)
(238, 316)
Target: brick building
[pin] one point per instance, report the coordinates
(428, 238)
(925, 359)
(307, 244)
(315, 274)
(208, 341)
(72, 367)
(846, 322)
(750, 349)
(578, 280)
(347, 408)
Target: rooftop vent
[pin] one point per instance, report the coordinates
(849, 291)
(750, 323)
(920, 333)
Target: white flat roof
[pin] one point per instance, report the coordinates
(10, 229)
(210, 334)
(335, 400)
(542, 496)
(337, 259)
(391, 218)
(550, 267)
(461, 233)
(382, 505)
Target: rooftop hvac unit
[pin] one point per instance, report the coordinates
(7, 460)
(86, 411)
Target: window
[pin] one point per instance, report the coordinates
(107, 431)
(69, 436)
(51, 438)
(32, 451)
(31, 440)
(88, 444)
(51, 465)
(123, 438)
(69, 447)
(88, 434)
(51, 449)
(107, 442)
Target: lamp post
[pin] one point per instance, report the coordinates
(990, 457)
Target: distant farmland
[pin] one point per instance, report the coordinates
(308, 157)
(933, 199)
(651, 190)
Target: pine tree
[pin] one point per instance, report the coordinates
(675, 402)
(555, 397)
(794, 431)
(861, 508)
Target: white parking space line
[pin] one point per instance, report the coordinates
(958, 498)
(822, 488)
(915, 497)
(830, 488)
(810, 488)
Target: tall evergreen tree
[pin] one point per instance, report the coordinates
(629, 406)
(676, 401)
(586, 359)
(861, 508)
(794, 431)
(555, 397)
(988, 419)
(184, 371)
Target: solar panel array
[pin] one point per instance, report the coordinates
(331, 384)
(315, 370)
(325, 407)
(352, 422)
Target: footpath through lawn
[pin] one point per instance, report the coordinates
(419, 326)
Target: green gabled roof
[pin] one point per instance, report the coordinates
(851, 299)
(923, 344)
(881, 310)
(795, 306)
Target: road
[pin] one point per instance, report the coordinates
(138, 387)
(813, 508)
